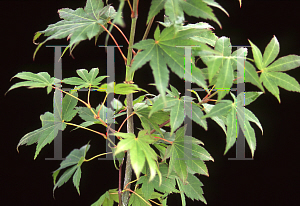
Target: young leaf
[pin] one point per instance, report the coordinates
(87, 78)
(271, 52)
(74, 159)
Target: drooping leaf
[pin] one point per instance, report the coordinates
(79, 24)
(74, 159)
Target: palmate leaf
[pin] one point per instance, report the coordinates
(166, 51)
(87, 79)
(39, 80)
(240, 114)
(74, 159)
(45, 134)
(79, 24)
(271, 75)
(179, 161)
(140, 152)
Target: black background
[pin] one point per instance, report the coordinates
(270, 179)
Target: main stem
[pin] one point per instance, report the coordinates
(129, 97)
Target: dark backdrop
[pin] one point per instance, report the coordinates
(270, 179)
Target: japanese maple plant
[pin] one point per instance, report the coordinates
(162, 156)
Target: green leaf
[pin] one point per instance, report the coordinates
(247, 98)
(108, 198)
(272, 80)
(39, 80)
(270, 84)
(156, 6)
(285, 63)
(159, 104)
(215, 4)
(225, 79)
(79, 24)
(219, 121)
(192, 188)
(257, 56)
(196, 114)
(199, 9)
(251, 117)
(76, 179)
(219, 109)
(271, 52)
(176, 115)
(197, 166)
(141, 151)
(88, 79)
(68, 106)
(74, 159)
(166, 51)
(251, 76)
(231, 129)
(223, 46)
